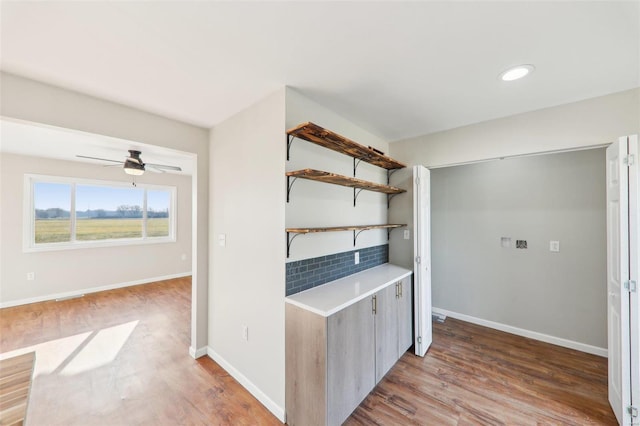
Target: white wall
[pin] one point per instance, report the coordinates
(590, 122)
(33, 101)
(248, 274)
(80, 270)
(317, 204)
(558, 197)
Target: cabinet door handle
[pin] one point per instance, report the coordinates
(397, 291)
(400, 285)
(374, 304)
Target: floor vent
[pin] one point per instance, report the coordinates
(61, 299)
(438, 318)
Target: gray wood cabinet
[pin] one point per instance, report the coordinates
(393, 324)
(405, 316)
(350, 359)
(332, 363)
(386, 325)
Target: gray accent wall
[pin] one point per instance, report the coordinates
(538, 199)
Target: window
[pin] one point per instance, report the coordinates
(72, 213)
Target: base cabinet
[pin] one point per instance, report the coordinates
(350, 359)
(332, 363)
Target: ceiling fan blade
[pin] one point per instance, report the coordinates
(152, 168)
(113, 165)
(164, 166)
(101, 159)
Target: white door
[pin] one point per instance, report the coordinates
(422, 258)
(618, 272)
(634, 261)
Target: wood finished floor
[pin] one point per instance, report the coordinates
(474, 375)
(120, 358)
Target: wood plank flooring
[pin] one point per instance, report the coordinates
(474, 375)
(120, 358)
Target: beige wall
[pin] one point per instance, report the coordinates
(248, 274)
(33, 101)
(81, 270)
(591, 122)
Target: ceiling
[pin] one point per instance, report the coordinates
(53, 142)
(398, 69)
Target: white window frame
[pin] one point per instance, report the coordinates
(29, 244)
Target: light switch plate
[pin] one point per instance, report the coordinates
(554, 246)
(407, 235)
(222, 240)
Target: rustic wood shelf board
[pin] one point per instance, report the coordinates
(15, 381)
(357, 229)
(343, 228)
(351, 182)
(313, 133)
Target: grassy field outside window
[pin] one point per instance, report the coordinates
(70, 210)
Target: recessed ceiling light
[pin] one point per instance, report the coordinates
(517, 72)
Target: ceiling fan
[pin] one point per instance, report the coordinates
(133, 164)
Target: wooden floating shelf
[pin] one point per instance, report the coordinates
(313, 133)
(357, 184)
(351, 182)
(357, 229)
(342, 228)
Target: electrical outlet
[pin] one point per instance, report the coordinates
(183, 257)
(245, 333)
(222, 240)
(554, 246)
(31, 276)
(407, 235)
(356, 258)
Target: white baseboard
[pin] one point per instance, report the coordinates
(248, 385)
(197, 353)
(525, 333)
(89, 290)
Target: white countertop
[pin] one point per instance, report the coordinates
(333, 296)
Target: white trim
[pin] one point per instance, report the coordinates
(248, 385)
(84, 291)
(197, 353)
(29, 245)
(525, 333)
(530, 154)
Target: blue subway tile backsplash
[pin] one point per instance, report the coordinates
(309, 273)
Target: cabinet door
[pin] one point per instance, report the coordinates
(386, 330)
(350, 359)
(405, 317)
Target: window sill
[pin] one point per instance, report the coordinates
(96, 244)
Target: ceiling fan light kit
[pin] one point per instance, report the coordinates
(132, 168)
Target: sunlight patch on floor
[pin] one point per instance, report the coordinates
(80, 352)
(101, 349)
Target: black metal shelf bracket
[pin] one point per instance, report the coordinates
(356, 163)
(290, 185)
(389, 197)
(389, 173)
(355, 235)
(356, 192)
(289, 241)
(290, 139)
